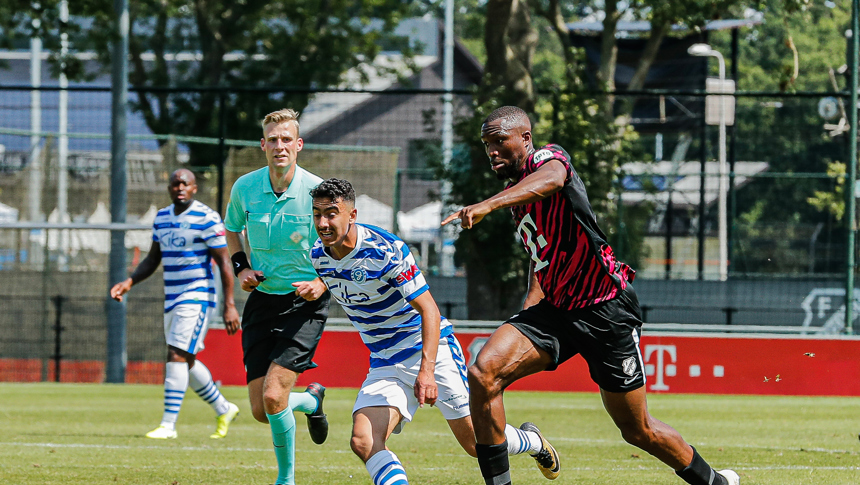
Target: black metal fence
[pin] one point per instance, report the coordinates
(786, 235)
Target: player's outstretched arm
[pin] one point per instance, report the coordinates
(545, 181)
(310, 290)
(143, 271)
(425, 384)
(225, 267)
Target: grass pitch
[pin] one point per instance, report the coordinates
(93, 434)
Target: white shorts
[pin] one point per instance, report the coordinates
(393, 385)
(185, 326)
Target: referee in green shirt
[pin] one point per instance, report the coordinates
(286, 312)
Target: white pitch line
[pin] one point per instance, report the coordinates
(313, 450)
(149, 447)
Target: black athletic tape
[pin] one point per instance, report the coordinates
(493, 462)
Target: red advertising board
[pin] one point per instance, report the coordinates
(723, 364)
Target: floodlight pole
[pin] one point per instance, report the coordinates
(63, 139)
(704, 50)
(35, 187)
(850, 196)
(117, 355)
(447, 261)
(724, 176)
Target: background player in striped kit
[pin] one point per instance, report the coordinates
(415, 357)
(187, 236)
(580, 301)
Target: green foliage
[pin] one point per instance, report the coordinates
(788, 134)
(832, 201)
(243, 44)
(495, 261)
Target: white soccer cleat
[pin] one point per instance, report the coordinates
(730, 477)
(162, 433)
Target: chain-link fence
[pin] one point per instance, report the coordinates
(785, 240)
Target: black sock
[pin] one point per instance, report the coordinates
(493, 460)
(700, 473)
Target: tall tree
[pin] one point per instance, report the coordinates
(240, 44)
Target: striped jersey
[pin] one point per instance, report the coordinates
(574, 264)
(185, 240)
(374, 284)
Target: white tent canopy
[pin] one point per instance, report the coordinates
(8, 214)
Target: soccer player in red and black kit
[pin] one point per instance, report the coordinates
(579, 301)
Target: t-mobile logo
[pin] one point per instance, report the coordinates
(661, 369)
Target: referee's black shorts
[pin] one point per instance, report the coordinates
(284, 329)
(605, 334)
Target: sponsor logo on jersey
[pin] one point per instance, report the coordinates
(541, 155)
(172, 240)
(359, 275)
(407, 275)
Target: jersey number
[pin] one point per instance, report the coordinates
(526, 229)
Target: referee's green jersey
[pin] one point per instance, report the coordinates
(280, 230)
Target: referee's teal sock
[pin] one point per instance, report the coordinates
(303, 402)
(283, 426)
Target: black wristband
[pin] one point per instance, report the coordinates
(240, 262)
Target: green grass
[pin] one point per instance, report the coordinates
(93, 434)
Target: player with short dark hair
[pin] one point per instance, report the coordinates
(579, 301)
(187, 236)
(415, 359)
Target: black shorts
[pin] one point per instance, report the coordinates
(284, 329)
(605, 334)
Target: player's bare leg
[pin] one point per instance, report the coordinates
(371, 427)
(465, 434)
(269, 398)
(506, 357)
(629, 411)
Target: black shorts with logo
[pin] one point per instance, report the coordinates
(284, 329)
(605, 334)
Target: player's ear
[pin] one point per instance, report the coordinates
(353, 215)
(527, 137)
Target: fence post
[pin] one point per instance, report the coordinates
(222, 133)
(396, 206)
(729, 311)
(58, 330)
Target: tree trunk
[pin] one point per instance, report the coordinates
(510, 41)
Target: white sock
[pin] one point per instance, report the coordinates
(175, 383)
(385, 469)
(201, 381)
(520, 441)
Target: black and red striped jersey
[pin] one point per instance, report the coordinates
(574, 264)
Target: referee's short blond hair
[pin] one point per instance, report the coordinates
(282, 116)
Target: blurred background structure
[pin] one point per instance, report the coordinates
(373, 109)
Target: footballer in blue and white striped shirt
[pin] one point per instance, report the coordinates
(186, 237)
(415, 359)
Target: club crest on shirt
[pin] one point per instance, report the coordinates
(359, 275)
(541, 155)
(184, 225)
(629, 366)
